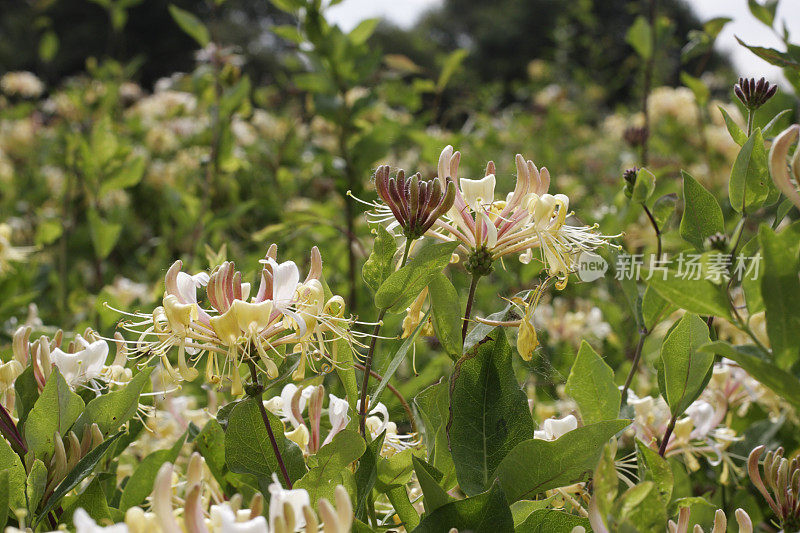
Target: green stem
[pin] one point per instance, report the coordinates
(655, 227)
(667, 434)
(636, 357)
(258, 395)
(470, 300)
(364, 409)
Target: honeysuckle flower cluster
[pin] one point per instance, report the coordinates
(291, 405)
(23, 83)
(285, 316)
(196, 511)
(700, 433)
(301, 409)
(82, 362)
(487, 229)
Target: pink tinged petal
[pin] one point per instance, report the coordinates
(171, 279)
(315, 272)
(544, 181)
(444, 165)
(778, 167)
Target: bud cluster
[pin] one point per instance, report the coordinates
(415, 203)
(630, 176)
(780, 485)
(753, 94)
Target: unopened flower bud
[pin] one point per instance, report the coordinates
(415, 203)
(753, 94)
(717, 241)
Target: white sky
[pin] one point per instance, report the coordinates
(749, 29)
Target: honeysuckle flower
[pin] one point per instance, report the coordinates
(786, 182)
(296, 498)
(285, 315)
(529, 218)
(554, 428)
(720, 522)
(82, 365)
(225, 520)
(85, 524)
(291, 405)
(22, 83)
(378, 422)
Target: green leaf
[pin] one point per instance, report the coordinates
(699, 296)
(484, 513)
(35, 485)
(366, 474)
(433, 404)
(751, 280)
(639, 36)
(363, 31)
(654, 308)
(110, 411)
(379, 265)
(750, 184)
(663, 208)
(489, 413)
(536, 466)
(644, 186)
(5, 495)
(552, 521)
(394, 471)
(447, 316)
(92, 500)
(685, 368)
(714, 26)
(397, 358)
(764, 12)
(775, 120)
(128, 175)
(248, 449)
(48, 232)
(772, 56)
(754, 363)
(78, 474)
(398, 497)
(105, 234)
(432, 492)
(404, 285)
(140, 484)
(655, 468)
(737, 134)
(702, 215)
(48, 46)
(591, 385)
(320, 482)
(27, 393)
(346, 371)
(780, 289)
(191, 25)
(451, 64)
(289, 32)
(12, 464)
(56, 410)
(698, 88)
